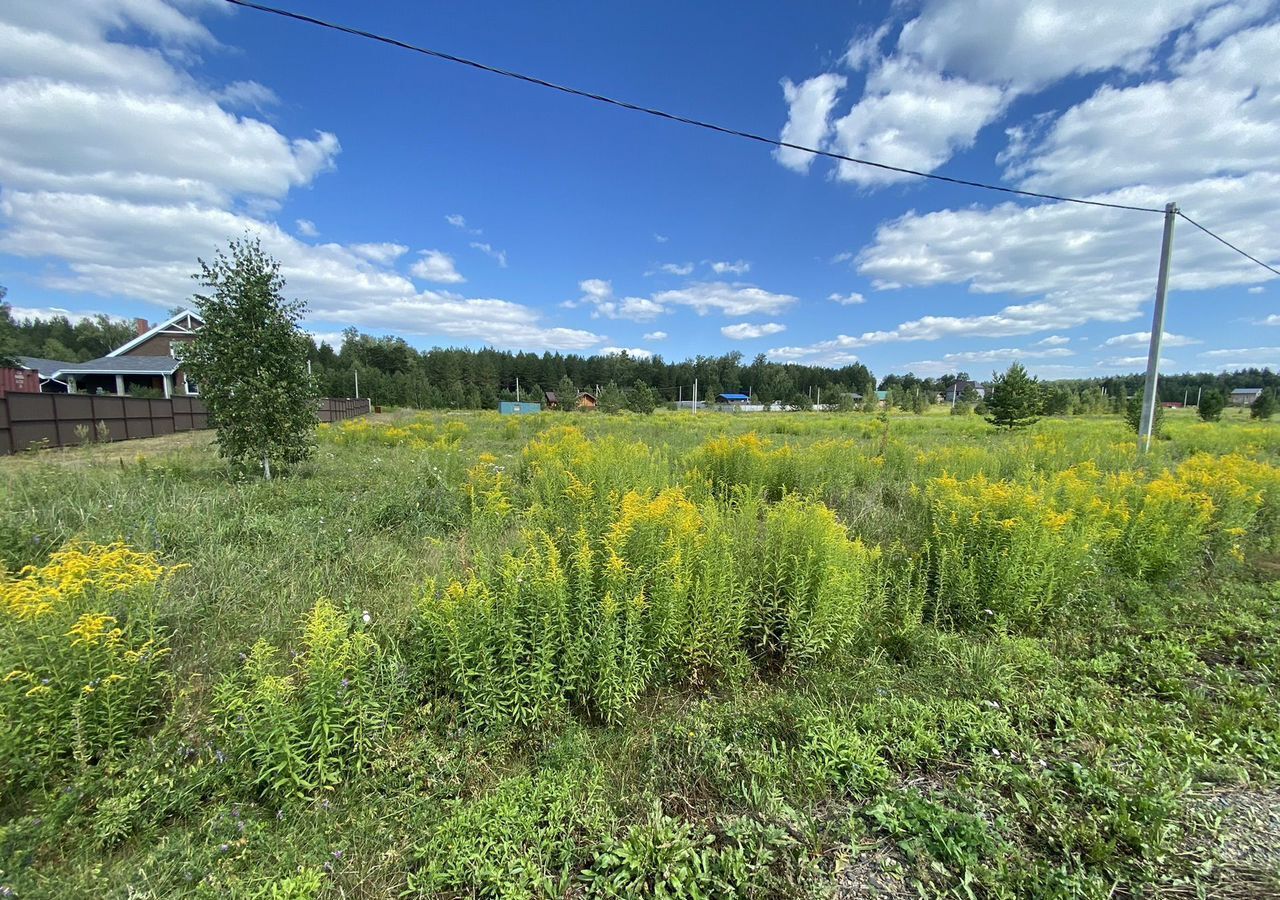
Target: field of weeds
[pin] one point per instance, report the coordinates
(576, 655)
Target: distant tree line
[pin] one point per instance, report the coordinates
(1084, 396)
(57, 338)
(393, 373)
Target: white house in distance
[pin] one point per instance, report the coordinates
(152, 359)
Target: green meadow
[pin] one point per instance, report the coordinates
(583, 655)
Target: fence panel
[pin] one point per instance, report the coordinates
(63, 420)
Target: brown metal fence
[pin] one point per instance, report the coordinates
(29, 421)
(335, 409)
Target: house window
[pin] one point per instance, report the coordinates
(192, 388)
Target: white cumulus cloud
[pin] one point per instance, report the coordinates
(119, 167)
(809, 107)
(1143, 339)
(851, 299)
(434, 265)
(380, 253)
(634, 352)
(730, 299)
(744, 331)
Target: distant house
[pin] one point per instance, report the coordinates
(732, 398)
(517, 407)
(45, 369)
(553, 399)
(958, 389)
(882, 396)
(586, 400)
(152, 360)
(1244, 396)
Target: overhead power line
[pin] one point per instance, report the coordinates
(1228, 243)
(721, 129)
(684, 120)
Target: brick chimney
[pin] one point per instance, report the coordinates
(141, 325)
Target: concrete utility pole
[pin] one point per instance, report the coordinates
(1149, 398)
(695, 395)
(357, 371)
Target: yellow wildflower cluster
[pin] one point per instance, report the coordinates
(488, 492)
(73, 571)
(80, 680)
(418, 434)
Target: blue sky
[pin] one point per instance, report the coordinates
(409, 196)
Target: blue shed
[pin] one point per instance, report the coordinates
(732, 398)
(511, 407)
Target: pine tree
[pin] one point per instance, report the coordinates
(918, 402)
(1211, 406)
(1264, 407)
(642, 399)
(611, 399)
(566, 394)
(1015, 400)
(1133, 416)
(250, 359)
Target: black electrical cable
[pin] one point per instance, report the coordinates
(774, 142)
(1228, 243)
(600, 98)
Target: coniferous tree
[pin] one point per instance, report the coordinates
(611, 399)
(1211, 406)
(642, 399)
(250, 359)
(1133, 416)
(1264, 407)
(1015, 400)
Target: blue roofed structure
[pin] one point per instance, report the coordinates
(732, 398)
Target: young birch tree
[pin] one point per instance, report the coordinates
(250, 360)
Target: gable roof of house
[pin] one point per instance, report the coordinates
(169, 324)
(1247, 391)
(121, 365)
(552, 396)
(45, 368)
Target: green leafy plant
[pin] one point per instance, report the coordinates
(303, 727)
(250, 359)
